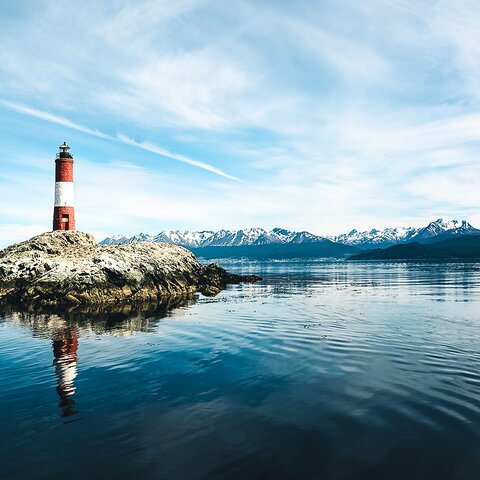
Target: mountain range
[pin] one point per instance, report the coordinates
(435, 231)
(222, 238)
(269, 243)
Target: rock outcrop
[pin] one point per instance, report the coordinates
(70, 268)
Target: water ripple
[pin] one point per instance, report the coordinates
(322, 370)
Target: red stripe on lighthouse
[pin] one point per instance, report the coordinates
(64, 218)
(64, 170)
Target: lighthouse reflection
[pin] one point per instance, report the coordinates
(66, 328)
(65, 362)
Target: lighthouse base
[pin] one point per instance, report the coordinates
(64, 218)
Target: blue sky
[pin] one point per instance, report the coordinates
(208, 114)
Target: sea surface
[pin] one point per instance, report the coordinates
(323, 370)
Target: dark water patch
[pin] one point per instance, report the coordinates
(322, 370)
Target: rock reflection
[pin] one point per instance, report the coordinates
(65, 328)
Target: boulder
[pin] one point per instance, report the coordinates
(70, 268)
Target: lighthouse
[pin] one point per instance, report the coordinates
(63, 211)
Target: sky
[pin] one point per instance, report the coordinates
(207, 114)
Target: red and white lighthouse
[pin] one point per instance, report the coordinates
(63, 211)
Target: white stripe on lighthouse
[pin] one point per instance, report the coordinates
(64, 194)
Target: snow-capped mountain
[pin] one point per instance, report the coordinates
(441, 228)
(435, 231)
(376, 237)
(190, 239)
(114, 240)
(222, 238)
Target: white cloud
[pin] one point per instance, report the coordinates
(64, 122)
(151, 147)
(336, 113)
(455, 25)
(50, 117)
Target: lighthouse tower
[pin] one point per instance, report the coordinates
(63, 212)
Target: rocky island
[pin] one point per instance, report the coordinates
(69, 268)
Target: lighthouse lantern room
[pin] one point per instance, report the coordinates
(63, 211)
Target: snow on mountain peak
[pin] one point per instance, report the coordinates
(260, 236)
(390, 236)
(224, 238)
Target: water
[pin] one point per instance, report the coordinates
(322, 370)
